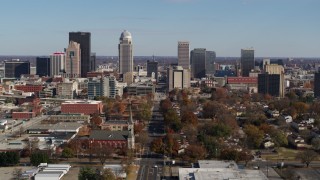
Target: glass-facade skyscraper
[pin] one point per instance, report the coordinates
(84, 39)
(247, 61)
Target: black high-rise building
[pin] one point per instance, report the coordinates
(93, 62)
(269, 84)
(43, 66)
(317, 85)
(198, 62)
(84, 39)
(15, 68)
(247, 61)
(152, 67)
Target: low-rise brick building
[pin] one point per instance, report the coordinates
(87, 107)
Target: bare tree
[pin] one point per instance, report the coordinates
(103, 152)
(307, 156)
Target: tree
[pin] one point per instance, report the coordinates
(87, 173)
(229, 154)
(157, 145)
(96, 120)
(144, 113)
(193, 153)
(189, 118)
(300, 107)
(211, 144)
(165, 105)
(108, 174)
(67, 153)
(254, 136)
(307, 156)
(38, 157)
(212, 108)
(245, 156)
(217, 130)
(142, 138)
(279, 138)
(316, 143)
(103, 152)
(172, 120)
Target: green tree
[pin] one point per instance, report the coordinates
(254, 136)
(67, 153)
(39, 157)
(87, 173)
(144, 113)
(279, 138)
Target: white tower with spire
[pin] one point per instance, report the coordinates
(131, 130)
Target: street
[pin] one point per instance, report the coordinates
(151, 165)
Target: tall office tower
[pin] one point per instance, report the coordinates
(84, 39)
(73, 61)
(277, 69)
(177, 77)
(317, 84)
(210, 59)
(247, 61)
(57, 64)
(152, 67)
(125, 53)
(183, 54)
(15, 68)
(93, 61)
(269, 84)
(43, 66)
(198, 62)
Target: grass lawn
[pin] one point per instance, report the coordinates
(283, 153)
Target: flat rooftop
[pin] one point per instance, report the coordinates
(82, 102)
(217, 164)
(219, 173)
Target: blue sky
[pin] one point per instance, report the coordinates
(274, 28)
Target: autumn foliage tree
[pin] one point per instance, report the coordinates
(189, 118)
(254, 136)
(194, 152)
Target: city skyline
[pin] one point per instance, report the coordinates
(286, 28)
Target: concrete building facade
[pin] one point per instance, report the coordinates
(183, 54)
(73, 60)
(57, 63)
(125, 53)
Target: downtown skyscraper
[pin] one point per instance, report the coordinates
(73, 61)
(247, 61)
(84, 39)
(183, 54)
(125, 53)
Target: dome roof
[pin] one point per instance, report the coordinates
(125, 34)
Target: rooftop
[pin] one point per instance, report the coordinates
(109, 135)
(82, 102)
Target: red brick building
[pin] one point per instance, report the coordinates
(29, 88)
(85, 107)
(23, 115)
